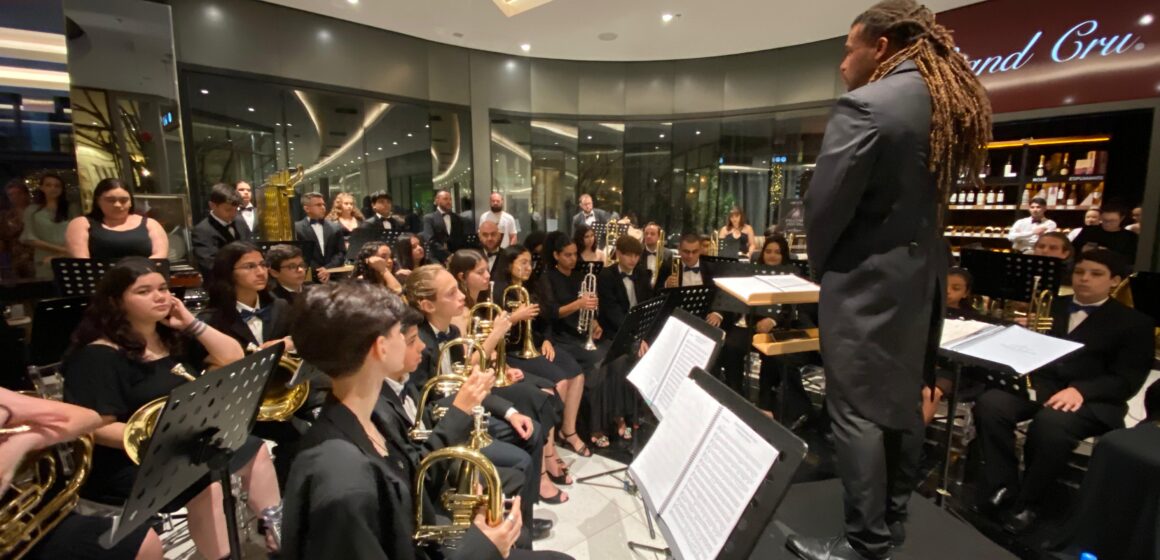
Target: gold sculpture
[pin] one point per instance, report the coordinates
(274, 221)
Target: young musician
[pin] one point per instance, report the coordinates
(382, 204)
(125, 354)
(325, 247)
(433, 291)
(223, 225)
(409, 255)
(471, 272)
(736, 228)
(693, 273)
(346, 216)
(960, 284)
(374, 264)
(586, 245)
(288, 270)
(775, 255)
(620, 288)
(1083, 394)
(349, 496)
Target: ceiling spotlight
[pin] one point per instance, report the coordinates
(589, 136)
(250, 109)
(353, 1)
(662, 135)
(394, 143)
(409, 135)
(1146, 19)
(698, 133)
(380, 148)
(667, 17)
(204, 91)
(525, 47)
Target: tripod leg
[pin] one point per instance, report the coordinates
(219, 467)
(948, 438)
(652, 532)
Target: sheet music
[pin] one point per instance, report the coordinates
(700, 470)
(746, 287)
(1022, 350)
(957, 330)
(675, 352)
(788, 283)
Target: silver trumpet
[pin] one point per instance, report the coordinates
(587, 322)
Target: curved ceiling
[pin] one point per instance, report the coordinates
(609, 30)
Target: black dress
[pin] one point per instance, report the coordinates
(109, 245)
(541, 367)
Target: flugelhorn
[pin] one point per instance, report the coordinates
(522, 297)
(481, 329)
(659, 256)
(586, 323)
(446, 382)
(32, 511)
(462, 501)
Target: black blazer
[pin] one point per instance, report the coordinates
(376, 221)
(443, 243)
(313, 255)
(1110, 368)
(277, 327)
(344, 500)
(600, 217)
(209, 236)
(429, 366)
(282, 293)
(614, 296)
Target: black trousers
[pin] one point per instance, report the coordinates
(510, 450)
(878, 468)
(1050, 440)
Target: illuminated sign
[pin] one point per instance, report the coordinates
(1077, 43)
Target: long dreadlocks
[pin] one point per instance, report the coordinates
(960, 125)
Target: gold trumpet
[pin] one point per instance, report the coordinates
(445, 383)
(586, 323)
(464, 499)
(611, 234)
(481, 328)
(522, 297)
(659, 257)
(676, 270)
(1039, 311)
(27, 517)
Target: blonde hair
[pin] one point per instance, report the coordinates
(354, 211)
(421, 284)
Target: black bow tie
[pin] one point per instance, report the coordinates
(696, 269)
(1074, 307)
(248, 209)
(262, 313)
(314, 222)
(442, 337)
(624, 274)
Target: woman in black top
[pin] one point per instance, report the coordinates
(111, 230)
(124, 356)
(736, 228)
(586, 245)
(375, 264)
(409, 254)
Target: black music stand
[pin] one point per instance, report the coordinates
(719, 259)
(203, 423)
(370, 232)
(52, 324)
(601, 231)
(537, 268)
(638, 324)
(265, 246)
(696, 300)
(748, 532)
(79, 277)
(471, 241)
(728, 246)
(1010, 276)
(585, 266)
(1145, 288)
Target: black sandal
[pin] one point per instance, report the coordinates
(562, 439)
(555, 500)
(560, 479)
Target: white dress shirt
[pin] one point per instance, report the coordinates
(629, 286)
(318, 231)
(690, 278)
(254, 323)
(446, 221)
(1022, 235)
(247, 214)
(409, 405)
(1078, 317)
(385, 220)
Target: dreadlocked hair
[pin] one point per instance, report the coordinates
(960, 125)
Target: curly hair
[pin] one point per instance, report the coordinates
(333, 215)
(105, 317)
(362, 267)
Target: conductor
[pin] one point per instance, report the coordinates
(914, 120)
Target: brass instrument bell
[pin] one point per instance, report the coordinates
(522, 297)
(29, 511)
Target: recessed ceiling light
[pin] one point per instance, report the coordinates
(204, 91)
(667, 17)
(323, 35)
(589, 136)
(353, 1)
(662, 135)
(250, 109)
(394, 143)
(1147, 19)
(525, 47)
(380, 148)
(291, 141)
(409, 135)
(698, 133)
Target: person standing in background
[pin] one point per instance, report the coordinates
(587, 216)
(1090, 218)
(18, 256)
(1137, 216)
(508, 226)
(45, 222)
(915, 119)
(1026, 231)
(246, 209)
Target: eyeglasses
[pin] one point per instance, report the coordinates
(294, 267)
(250, 267)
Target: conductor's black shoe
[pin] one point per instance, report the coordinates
(1021, 521)
(814, 548)
(541, 528)
(996, 502)
(897, 533)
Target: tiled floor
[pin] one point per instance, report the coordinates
(597, 521)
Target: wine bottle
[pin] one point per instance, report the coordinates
(1040, 171)
(1071, 196)
(986, 170)
(1064, 171)
(999, 196)
(954, 198)
(1026, 200)
(1051, 196)
(1007, 170)
(1098, 195)
(990, 197)
(971, 196)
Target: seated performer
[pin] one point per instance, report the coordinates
(960, 284)
(374, 264)
(433, 291)
(125, 354)
(348, 496)
(693, 273)
(653, 244)
(1084, 394)
(796, 403)
(288, 270)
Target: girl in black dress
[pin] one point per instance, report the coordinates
(111, 230)
(409, 254)
(375, 264)
(125, 354)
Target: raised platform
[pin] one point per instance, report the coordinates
(815, 509)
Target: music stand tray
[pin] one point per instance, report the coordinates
(79, 277)
(1010, 276)
(203, 423)
(367, 233)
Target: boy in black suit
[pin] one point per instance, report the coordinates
(622, 286)
(288, 269)
(383, 204)
(693, 271)
(1082, 395)
(221, 227)
(325, 247)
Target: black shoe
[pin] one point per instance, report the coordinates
(541, 528)
(814, 548)
(998, 501)
(1021, 521)
(897, 533)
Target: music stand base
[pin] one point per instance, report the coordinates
(633, 545)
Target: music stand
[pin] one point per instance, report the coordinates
(585, 266)
(638, 324)
(1010, 276)
(203, 423)
(52, 324)
(729, 245)
(537, 267)
(265, 246)
(370, 232)
(696, 300)
(719, 259)
(79, 277)
(1145, 288)
(601, 231)
(471, 241)
(759, 513)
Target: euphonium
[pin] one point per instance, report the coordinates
(139, 427)
(481, 328)
(26, 517)
(528, 351)
(659, 257)
(280, 401)
(446, 383)
(1039, 311)
(1123, 292)
(462, 501)
(587, 320)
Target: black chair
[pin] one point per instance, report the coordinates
(52, 325)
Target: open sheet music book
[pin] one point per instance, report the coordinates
(770, 289)
(1019, 349)
(699, 472)
(676, 351)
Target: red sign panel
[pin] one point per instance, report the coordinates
(1033, 54)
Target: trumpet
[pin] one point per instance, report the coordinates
(445, 383)
(676, 270)
(587, 321)
(522, 297)
(1039, 311)
(462, 501)
(610, 236)
(481, 328)
(659, 257)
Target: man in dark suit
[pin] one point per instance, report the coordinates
(443, 228)
(324, 248)
(874, 241)
(693, 272)
(1084, 394)
(622, 286)
(490, 238)
(589, 215)
(653, 244)
(383, 205)
(246, 209)
(221, 227)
